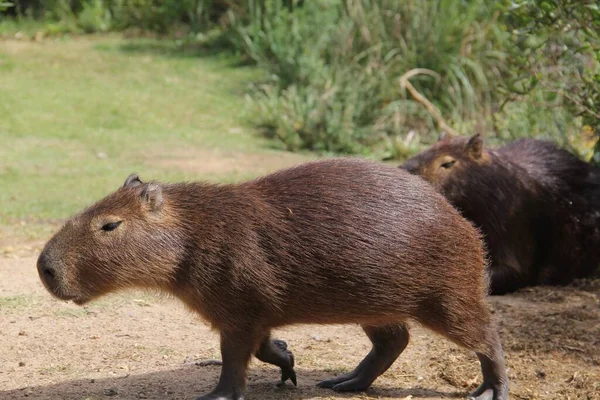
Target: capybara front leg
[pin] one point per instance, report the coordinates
(495, 381)
(275, 352)
(236, 350)
(388, 342)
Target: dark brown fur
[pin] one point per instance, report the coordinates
(337, 241)
(537, 205)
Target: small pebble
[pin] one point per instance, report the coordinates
(540, 373)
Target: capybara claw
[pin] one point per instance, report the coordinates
(352, 385)
(488, 392)
(293, 377)
(327, 384)
(288, 374)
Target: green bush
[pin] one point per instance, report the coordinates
(486, 66)
(510, 68)
(161, 16)
(555, 51)
(336, 66)
(94, 17)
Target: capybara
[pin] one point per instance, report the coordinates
(340, 241)
(537, 205)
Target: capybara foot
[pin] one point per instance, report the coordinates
(490, 392)
(352, 382)
(287, 372)
(287, 361)
(330, 383)
(221, 396)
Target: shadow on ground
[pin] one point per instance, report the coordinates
(553, 320)
(191, 381)
(179, 49)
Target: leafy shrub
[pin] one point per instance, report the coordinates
(159, 16)
(94, 17)
(336, 67)
(474, 65)
(386, 76)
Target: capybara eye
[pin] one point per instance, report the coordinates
(111, 226)
(448, 164)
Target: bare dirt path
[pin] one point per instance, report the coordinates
(143, 346)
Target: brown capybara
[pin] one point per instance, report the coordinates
(537, 205)
(340, 241)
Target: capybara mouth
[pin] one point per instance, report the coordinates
(60, 295)
(65, 297)
(80, 300)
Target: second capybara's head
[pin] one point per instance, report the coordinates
(127, 239)
(449, 161)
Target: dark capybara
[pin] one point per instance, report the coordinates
(341, 241)
(537, 205)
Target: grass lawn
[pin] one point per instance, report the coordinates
(77, 115)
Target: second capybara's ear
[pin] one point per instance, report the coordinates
(133, 181)
(474, 146)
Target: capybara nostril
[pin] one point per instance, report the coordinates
(48, 274)
(46, 271)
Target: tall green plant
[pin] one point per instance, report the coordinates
(344, 59)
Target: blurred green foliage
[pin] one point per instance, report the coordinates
(509, 69)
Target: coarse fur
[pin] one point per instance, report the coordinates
(335, 241)
(537, 205)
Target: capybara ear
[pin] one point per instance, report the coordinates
(152, 194)
(475, 146)
(133, 181)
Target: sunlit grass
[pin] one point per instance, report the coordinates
(78, 115)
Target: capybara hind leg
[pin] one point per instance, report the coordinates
(388, 343)
(236, 350)
(275, 352)
(495, 381)
(467, 322)
(481, 337)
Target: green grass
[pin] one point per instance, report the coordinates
(10, 27)
(77, 115)
(19, 302)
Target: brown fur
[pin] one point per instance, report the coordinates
(537, 205)
(337, 241)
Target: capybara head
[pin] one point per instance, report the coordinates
(448, 160)
(112, 245)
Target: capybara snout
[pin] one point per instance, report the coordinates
(48, 273)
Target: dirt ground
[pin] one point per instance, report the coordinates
(142, 346)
